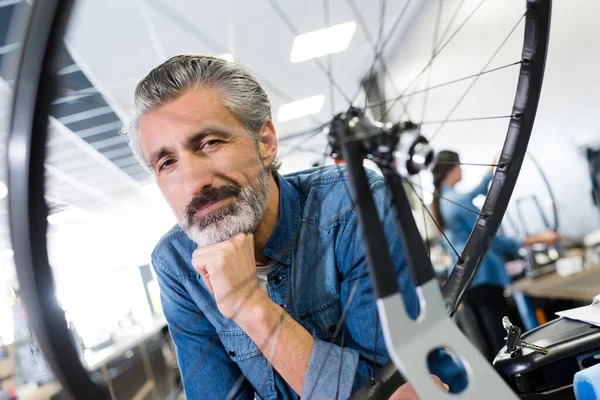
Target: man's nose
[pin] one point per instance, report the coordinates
(197, 174)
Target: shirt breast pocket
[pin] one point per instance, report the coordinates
(322, 320)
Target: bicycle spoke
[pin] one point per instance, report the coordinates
(238, 383)
(462, 97)
(474, 164)
(450, 201)
(337, 391)
(379, 56)
(383, 4)
(361, 23)
(393, 28)
(405, 112)
(377, 50)
(272, 355)
(433, 219)
(437, 53)
(382, 102)
(459, 28)
(151, 31)
(371, 78)
(425, 221)
(329, 57)
(300, 147)
(375, 346)
(385, 73)
(302, 134)
(433, 49)
(288, 22)
(448, 121)
(449, 25)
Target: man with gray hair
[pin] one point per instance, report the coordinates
(256, 274)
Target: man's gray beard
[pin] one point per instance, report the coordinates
(243, 214)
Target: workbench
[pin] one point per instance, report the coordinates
(581, 286)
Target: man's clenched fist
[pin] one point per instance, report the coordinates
(229, 270)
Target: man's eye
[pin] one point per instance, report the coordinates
(210, 143)
(165, 164)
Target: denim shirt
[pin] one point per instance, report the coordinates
(317, 257)
(459, 223)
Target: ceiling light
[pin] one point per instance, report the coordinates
(71, 214)
(300, 108)
(3, 190)
(226, 57)
(322, 42)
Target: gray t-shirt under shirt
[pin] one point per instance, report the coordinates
(261, 273)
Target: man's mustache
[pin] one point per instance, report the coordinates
(211, 196)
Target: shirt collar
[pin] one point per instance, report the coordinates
(280, 245)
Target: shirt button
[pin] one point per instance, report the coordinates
(278, 279)
(332, 328)
(232, 353)
(284, 306)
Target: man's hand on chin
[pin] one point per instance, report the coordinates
(229, 270)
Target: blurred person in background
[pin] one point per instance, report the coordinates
(486, 294)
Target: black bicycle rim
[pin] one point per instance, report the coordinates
(27, 208)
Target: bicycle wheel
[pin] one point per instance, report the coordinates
(352, 143)
(356, 137)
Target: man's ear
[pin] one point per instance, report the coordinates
(267, 142)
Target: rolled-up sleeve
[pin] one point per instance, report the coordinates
(331, 371)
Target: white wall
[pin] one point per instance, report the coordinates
(102, 242)
(567, 113)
